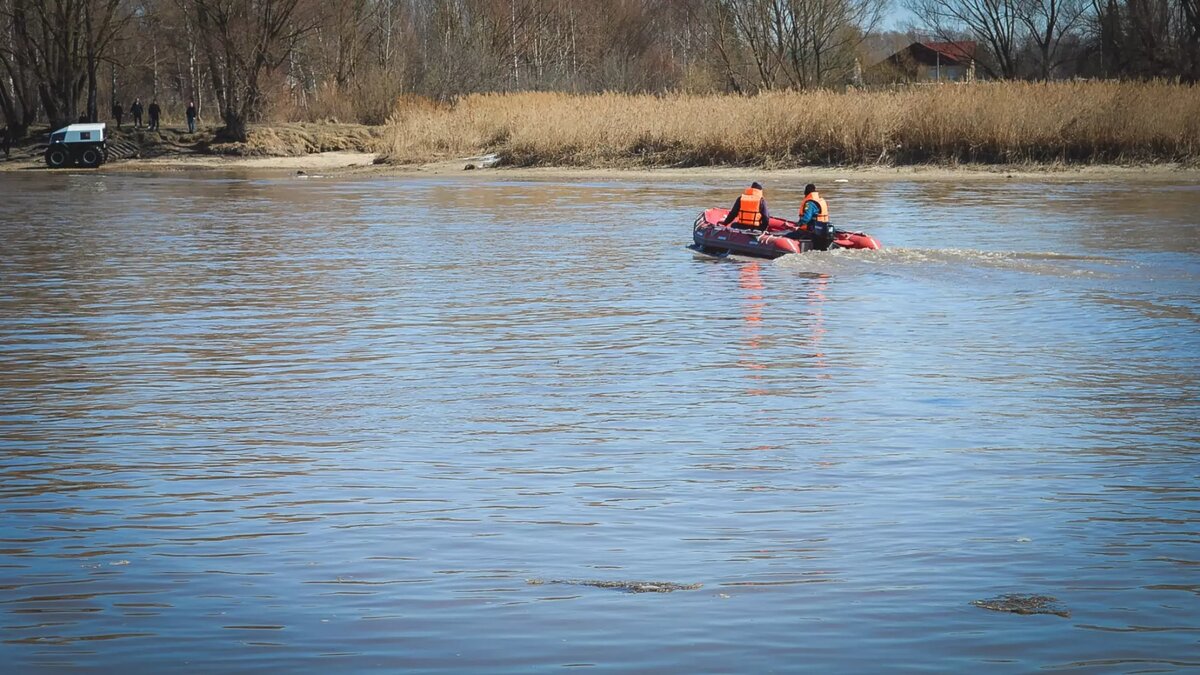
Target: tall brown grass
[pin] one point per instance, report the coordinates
(293, 140)
(1009, 122)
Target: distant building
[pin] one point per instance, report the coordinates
(927, 62)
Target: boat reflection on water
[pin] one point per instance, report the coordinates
(754, 302)
(814, 299)
(750, 281)
(765, 358)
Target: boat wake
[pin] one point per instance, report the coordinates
(923, 261)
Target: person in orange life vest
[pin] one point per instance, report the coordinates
(814, 220)
(749, 210)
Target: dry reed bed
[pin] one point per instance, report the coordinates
(297, 139)
(1010, 122)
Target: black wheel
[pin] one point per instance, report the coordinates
(90, 156)
(57, 157)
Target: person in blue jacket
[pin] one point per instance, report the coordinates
(814, 220)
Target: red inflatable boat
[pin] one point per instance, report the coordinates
(713, 237)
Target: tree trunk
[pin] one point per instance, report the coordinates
(235, 126)
(1191, 12)
(89, 36)
(154, 71)
(516, 72)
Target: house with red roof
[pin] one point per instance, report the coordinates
(928, 62)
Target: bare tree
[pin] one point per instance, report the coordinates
(1048, 22)
(351, 30)
(995, 23)
(59, 44)
(1146, 38)
(103, 21)
(18, 79)
(793, 43)
(1191, 18)
(758, 28)
(824, 35)
(300, 59)
(246, 41)
(54, 34)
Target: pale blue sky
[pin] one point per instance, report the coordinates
(896, 17)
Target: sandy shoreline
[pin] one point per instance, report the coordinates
(361, 163)
(829, 174)
(323, 161)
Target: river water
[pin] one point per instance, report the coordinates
(322, 425)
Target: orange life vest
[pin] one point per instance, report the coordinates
(749, 206)
(823, 208)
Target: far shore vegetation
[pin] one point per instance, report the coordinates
(608, 83)
(644, 82)
(1056, 124)
(1087, 122)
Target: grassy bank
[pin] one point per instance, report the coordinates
(173, 140)
(992, 123)
(302, 138)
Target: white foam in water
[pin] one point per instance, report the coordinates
(929, 260)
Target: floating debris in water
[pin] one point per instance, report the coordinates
(627, 586)
(1018, 603)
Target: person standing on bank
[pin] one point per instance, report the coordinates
(135, 109)
(750, 209)
(118, 113)
(155, 112)
(814, 220)
(191, 117)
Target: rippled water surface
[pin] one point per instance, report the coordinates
(340, 424)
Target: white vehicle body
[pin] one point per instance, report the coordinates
(77, 144)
